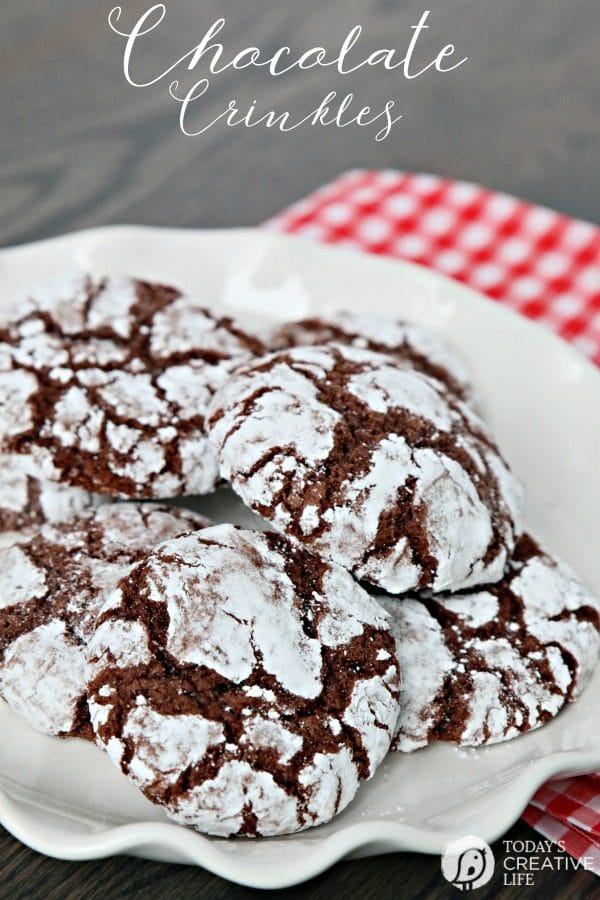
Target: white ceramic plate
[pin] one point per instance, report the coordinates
(65, 799)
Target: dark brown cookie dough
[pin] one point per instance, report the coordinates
(378, 467)
(104, 385)
(53, 585)
(246, 685)
(486, 665)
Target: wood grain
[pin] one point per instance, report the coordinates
(25, 875)
(79, 147)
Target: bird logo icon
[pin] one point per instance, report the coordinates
(467, 863)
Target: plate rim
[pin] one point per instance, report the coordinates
(140, 838)
(500, 309)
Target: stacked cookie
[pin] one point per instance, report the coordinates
(246, 681)
(379, 462)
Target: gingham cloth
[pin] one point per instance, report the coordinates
(542, 264)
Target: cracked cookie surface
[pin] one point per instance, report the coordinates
(247, 686)
(27, 501)
(378, 467)
(487, 665)
(53, 585)
(409, 344)
(104, 385)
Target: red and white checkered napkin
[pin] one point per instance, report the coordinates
(545, 265)
(568, 812)
(542, 264)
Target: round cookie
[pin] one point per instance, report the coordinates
(27, 501)
(248, 686)
(53, 585)
(409, 344)
(378, 467)
(485, 666)
(104, 385)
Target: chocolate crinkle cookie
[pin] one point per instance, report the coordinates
(486, 665)
(27, 501)
(246, 686)
(104, 385)
(409, 344)
(378, 467)
(53, 584)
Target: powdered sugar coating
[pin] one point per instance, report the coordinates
(484, 666)
(43, 676)
(104, 385)
(27, 501)
(380, 468)
(267, 686)
(53, 584)
(409, 344)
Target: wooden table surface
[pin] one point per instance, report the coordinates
(80, 147)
